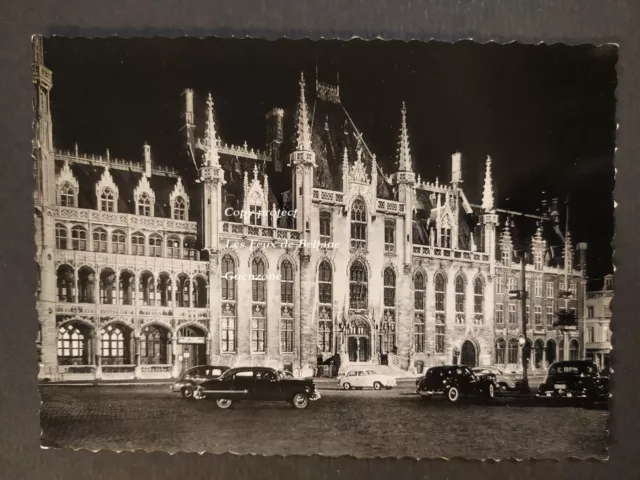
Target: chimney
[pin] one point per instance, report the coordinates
(147, 160)
(275, 120)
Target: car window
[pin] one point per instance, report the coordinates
(371, 372)
(191, 372)
(352, 374)
(244, 375)
(264, 376)
(362, 374)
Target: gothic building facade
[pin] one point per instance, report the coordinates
(313, 248)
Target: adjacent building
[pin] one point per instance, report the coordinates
(310, 249)
(597, 335)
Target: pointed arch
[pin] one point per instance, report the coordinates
(179, 201)
(107, 193)
(67, 187)
(359, 222)
(144, 197)
(287, 257)
(460, 286)
(259, 293)
(358, 285)
(228, 267)
(325, 305)
(479, 286)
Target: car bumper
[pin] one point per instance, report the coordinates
(568, 395)
(315, 396)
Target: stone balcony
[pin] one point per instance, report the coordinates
(264, 232)
(449, 253)
(101, 310)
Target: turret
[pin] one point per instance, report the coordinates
(406, 181)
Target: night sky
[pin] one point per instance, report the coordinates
(545, 114)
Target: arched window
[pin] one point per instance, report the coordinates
(155, 245)
(419, 295)
(61, 237)
(67, 195)
(325, 308)
(255, 209)
(358, 225)
(512, 351)
(183, 288)
(70, 345)
(460, 299)
(107, 286)
(189, 249)
(100, 240)
(118, 242)
(164, 289)
(574, 348)
(79, 238)
(107, 203)
(500, 347)
(144, 205)
(153, 346)
(112, 343)
(126, 288)
(478, 301)
(358, 283)
(199, 292)
(258, 308)
(66, 284)
(388, 330)
(325, 227)
(440, 292)
(286, 303)
(137, 244)
(179, 209)
(228, 330)
(147, 289)
(173, 247)
(86, 285)
(561, 350)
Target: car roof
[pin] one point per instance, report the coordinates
(573, 362)
(251, 369)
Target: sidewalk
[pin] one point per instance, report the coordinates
(99, 383)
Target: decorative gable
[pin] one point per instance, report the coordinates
(107, 192)
(67, 187)
(179, 201)
(256, 206)
(144, 197)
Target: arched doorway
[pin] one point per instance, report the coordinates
(359, 341)
(468, 354)
(192, 346)
(551, 351)
(538, 353)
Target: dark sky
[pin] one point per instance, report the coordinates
(545, 114)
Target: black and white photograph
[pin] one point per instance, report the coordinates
(320, 247)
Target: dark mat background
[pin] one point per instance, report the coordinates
(528, 21)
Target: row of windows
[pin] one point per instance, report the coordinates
(537, 314)
(140, 244)
(512, 284)
(108, 202)
(508, 353)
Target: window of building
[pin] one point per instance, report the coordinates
(499, 284)
(499, 314)
(325, 227)
(67, 195)
(527, 314)
(512, 351)
(478, 301)
(549, 289)
(107, 287)
(61, 237)
(574, 350)
(419, 327)
(79, 238)
(389, 236)
(179, 209)
(153, 347)
(107, 200)
(460, 299)
(608, 283)
(112, 343)
(445, 237)
(512, 284)
(173, 247)
(255, 209)
(537, 312)
(440, 293)
(512, 313)
(137, 244)
(572, 287)
(118, 242)
(590, 312)
(505, 254)
(286, 302)
(358, 286)
(549, 315)
(189, 248)
(325, 308)
(591, 334)
(228, 288)
(537, 261)
(70, 343)
(100, 240)
(537, 287)
(500, 347)
(155, 245)
(388, 331)
(144, 205)
(358, 225)
(258, 310)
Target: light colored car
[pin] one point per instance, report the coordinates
(361, 378)
(504, 380)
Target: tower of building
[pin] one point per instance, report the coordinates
(489, 217)
(406, 181)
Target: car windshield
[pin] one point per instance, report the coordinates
(570, 369)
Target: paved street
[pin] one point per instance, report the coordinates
(360, 423)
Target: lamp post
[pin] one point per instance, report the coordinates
(522, 296)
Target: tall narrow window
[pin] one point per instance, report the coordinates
(112, 343)
(440, 291)
(478, 301)
(419, 295)
(107, 203)
(100, 240)
(537, 313)
(228, 284)
(512, 313)
(358, 286)
(179, 209)
(358, 225)
(155, 245)
(79, 238)
(512, 351)
(389, 236)
(61, 237)
(118, 242)
(505, 254)
(499, 314)
(499, 284)
(549, 315)
(67, 195)
(549, 289)
(189, 249)
(388, 331)
(512, 283)
(286, 306)
(537, 287)
(500, 347)
(137, 244)
(325, 308)
(460, 299)
(258, 308)
(144, 205)
(445, 237)
(325, 227)
(173, 247)
(255, 209)
(537, 261)
(70, 345)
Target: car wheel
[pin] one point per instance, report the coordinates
(491, 392)
(300, 400)
(187, 393)
(224, 403)
(377, 386)
(503, 386)
(346, 386)
(453, 394)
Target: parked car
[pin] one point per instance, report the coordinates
(256, 384)
(194, 376)
(284, 375)
(574, 380)
(504, 381)
(361, 377)
(454, 382)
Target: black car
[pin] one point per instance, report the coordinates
(454, 382)
(187, 382)
(256, 384)
(574, 380)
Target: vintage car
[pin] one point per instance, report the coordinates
(574, 380)
(454, 382)
(504, 380)
(256, 384)
(194, 376)
(359, 378)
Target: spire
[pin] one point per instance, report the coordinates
(303, 135)
(210, 141)
(404, 157)
(487, 192)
